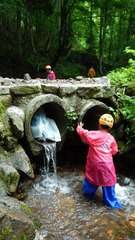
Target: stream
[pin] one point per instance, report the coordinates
(66, 214)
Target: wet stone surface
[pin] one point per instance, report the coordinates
(66, 214)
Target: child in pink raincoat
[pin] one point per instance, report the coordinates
(50, 73)
(100, 170)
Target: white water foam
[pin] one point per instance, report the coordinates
(126, 194)
(53, 183)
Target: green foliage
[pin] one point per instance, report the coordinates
(27, 209)
(2, 108)
(5, 233)
(121, 78)
(36, 33)
(35, 220)
(72, 116)
(69, 69)
(15, 238)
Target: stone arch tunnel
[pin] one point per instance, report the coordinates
(86, 97)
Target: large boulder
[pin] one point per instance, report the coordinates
(18, 217)
(20, 161)
(16, 120)
(9, 178)
(11, 163)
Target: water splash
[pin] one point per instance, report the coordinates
(126, 194)
(49, 155)
(66, 214)
(52, 184)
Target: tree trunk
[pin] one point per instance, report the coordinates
(100, 36)
(103, 39)
(32, 43)
(129, 26)
(119, 37)
(91, 26)
(62, 33)
(19, 35)
(111, 40)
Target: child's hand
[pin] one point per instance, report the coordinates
(80, 124)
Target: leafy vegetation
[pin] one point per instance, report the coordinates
(5, 233)
(125, 111)
(72, 116)
(36, 33)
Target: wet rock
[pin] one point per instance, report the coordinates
(50, 88)
(27, 77)
(4, 90)
(38, 236)
(67, 89)
(23, 101)
(6, 100)
(95, 91)
(10, 142)
(15, 111)
(21, 162)
(78, 78)
(10, 163)
(16, 121)
(2, 189)
(17, 216)
(9, 178)
(17, 126)
(127, 181)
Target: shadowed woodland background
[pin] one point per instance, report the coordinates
(71, 35)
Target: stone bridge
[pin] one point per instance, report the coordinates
(89, 98)
(21, 98)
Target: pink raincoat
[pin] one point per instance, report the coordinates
(100, 169)
(51, 75)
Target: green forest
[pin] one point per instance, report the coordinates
(70, 35)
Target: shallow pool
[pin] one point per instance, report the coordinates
(65, 213)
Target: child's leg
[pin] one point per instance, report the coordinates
(109, 197)
(89, 189)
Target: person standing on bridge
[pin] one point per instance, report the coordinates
(100, 170)
(50, 73)
(91, 73)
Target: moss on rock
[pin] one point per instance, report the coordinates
(25, 90)
(130, 90)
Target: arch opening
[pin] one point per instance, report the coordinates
(91, 113)
(55, 108)
(55, 112)
(91, 118)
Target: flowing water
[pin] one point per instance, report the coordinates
(66, 214)
(49, 155)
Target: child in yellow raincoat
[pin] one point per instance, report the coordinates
(91, 73)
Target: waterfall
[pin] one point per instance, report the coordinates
(45, 130)
(49, 155)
